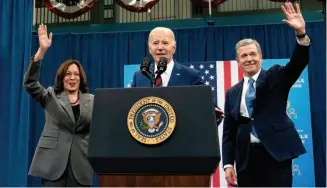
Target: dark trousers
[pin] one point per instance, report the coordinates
(66, 180)
(263, 170)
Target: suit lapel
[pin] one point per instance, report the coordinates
(65, 103)
(238, 95)
(175, 75)
(259, 84)
(83, 104)
(261, 79)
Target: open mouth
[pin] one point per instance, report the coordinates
(72, 84)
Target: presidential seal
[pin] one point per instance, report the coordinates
(151, 120)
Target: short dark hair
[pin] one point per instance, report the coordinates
(61, 72)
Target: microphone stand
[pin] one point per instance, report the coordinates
(151, 76)
(153, 79)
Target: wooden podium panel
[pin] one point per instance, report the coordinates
(153, 181)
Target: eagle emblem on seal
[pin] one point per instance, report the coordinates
(151, 119)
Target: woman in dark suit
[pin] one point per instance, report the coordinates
(60, 159)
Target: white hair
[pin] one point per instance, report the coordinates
(163, 29)
(245, 42)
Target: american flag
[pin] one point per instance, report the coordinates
(220, 75)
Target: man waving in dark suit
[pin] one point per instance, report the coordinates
(257, 134)
(162, 44)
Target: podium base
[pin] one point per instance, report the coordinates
(153, 181)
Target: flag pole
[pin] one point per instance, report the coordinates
(209, 1)
(210, 22)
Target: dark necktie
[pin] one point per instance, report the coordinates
(158, 82)
(249, 100)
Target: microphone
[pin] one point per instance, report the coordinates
(145, 66)
(162, 65)
(145, 70)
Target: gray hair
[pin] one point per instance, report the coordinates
(245, 42)
(162, 29)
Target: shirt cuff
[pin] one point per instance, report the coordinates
(227, 166)
(304, 43)
(35, 60)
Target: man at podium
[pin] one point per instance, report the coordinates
(166, 71)
(156, 133)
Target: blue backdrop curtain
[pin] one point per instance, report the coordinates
(103, 56)
(15, 41)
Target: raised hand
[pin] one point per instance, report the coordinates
(44, 40)
(294, 18)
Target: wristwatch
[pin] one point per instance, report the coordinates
(301, 36)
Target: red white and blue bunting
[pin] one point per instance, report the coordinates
(137, 5)
(69, 9)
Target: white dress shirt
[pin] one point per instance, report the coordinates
(166, 75)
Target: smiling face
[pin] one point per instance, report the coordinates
(249, 57)
(72, 78)
(162, 44)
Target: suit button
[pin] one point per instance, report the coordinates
(252, 118)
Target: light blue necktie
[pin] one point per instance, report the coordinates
(249, 101)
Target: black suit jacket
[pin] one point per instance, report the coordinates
(274, 128)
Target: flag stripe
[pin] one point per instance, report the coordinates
(215, 178)
(220, 84)
(227, 77)
(234, 71)
(211, 181)
(220, 102)
(240, 73)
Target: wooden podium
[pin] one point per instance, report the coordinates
(186, 158)
(153, 181)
